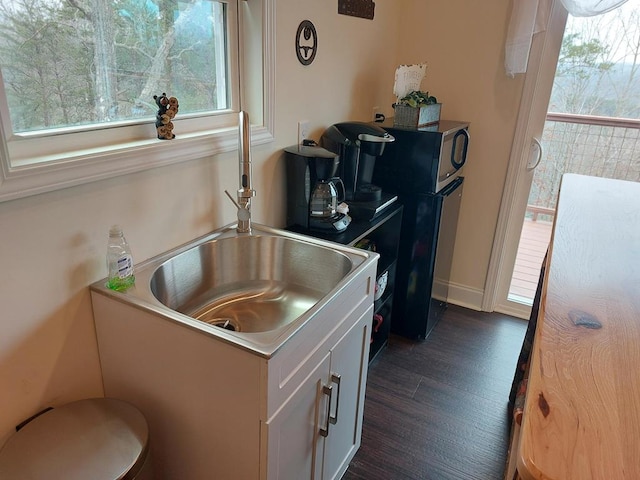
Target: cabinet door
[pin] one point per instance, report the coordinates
(349, 360)
(294, 443)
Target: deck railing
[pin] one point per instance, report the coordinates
(600, 146)
(533, 211)
(589, 145)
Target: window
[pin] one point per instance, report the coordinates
(79, 79)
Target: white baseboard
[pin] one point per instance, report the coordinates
(465, 296)
(514, 309)
(469, 297)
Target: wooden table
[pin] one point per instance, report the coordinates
(582, 410)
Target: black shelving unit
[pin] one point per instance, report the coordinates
(383, 232)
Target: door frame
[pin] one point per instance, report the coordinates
(543, 60)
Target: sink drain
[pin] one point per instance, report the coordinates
(225, 323)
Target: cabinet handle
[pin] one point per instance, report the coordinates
(335, 378)
(327, 390)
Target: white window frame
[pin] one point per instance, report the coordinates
(82, 157)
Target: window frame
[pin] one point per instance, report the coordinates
(128, 148)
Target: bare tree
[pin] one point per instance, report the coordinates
(160, 64)
(599, 66)
(74, 62)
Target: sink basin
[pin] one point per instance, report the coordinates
(251, 283)
(254, 291)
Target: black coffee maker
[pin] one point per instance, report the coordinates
(313, 190)
(359, 144)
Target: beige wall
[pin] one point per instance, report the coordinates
(463, 45)
(53, 244)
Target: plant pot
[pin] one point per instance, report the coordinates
(407, 116)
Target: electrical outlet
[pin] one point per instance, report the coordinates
(376, 111)
(303, 130)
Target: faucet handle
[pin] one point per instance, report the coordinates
(232, 200)
(244, 212)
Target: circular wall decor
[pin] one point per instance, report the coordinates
(306, 42)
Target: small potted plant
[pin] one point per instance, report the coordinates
(416, 109)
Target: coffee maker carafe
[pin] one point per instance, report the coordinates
(324, 199)
(313, 190)
(359, 144)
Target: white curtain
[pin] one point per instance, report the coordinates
(529, 17)
(589, 8)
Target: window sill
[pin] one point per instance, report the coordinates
(41, 175)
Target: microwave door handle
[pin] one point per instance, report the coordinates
(460, 133)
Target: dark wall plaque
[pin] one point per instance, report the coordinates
(357, 8)
(306, 42)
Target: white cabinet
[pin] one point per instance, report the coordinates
(349, 360)
(293, 444)
(216, 410)
(318, 429)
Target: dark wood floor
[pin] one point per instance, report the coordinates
(437, 409)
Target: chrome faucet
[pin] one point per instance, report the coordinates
(245, 192)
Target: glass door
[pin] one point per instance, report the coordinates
(526, 155)
(592, 126)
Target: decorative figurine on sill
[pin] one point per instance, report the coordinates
(167, 110)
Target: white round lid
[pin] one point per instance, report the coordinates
(99, 438)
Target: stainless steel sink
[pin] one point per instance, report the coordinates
(253, 290)
(249, 283)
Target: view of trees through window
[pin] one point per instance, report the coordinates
(84, 62)
(598, 70)
(598, 75)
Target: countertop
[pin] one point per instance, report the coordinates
(582, 412)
